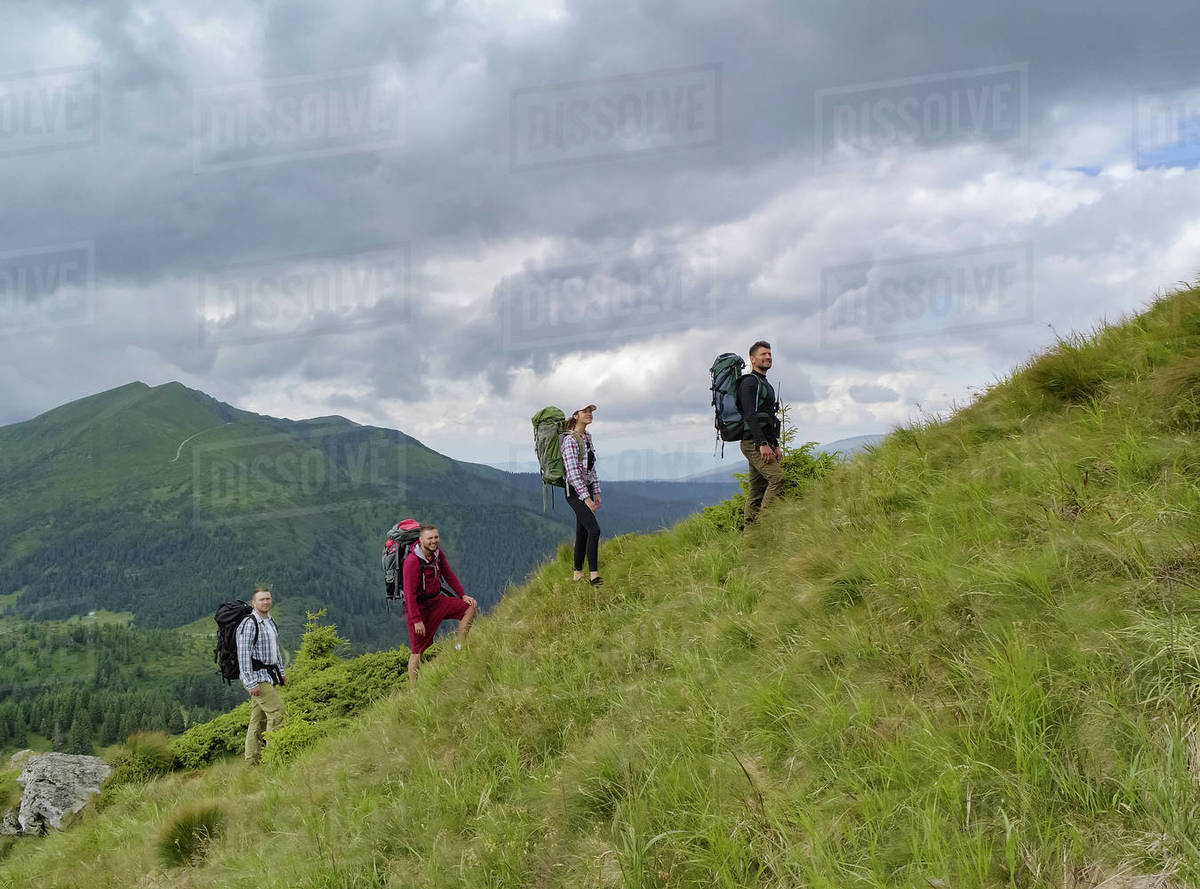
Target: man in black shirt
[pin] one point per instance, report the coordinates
(760, 440)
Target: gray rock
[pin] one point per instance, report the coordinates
(57, 784)
(21, 758)
(9, 825)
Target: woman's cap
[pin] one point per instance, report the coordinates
(590, 407)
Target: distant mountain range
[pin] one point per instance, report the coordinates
(843, 447)
(636, 465)
(163, 501)
(685, 466)
(847, 447)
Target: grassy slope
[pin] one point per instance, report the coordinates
(967, 659)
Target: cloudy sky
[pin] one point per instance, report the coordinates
(442, 216)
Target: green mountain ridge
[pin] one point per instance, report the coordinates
(968, 658)
(112, 498)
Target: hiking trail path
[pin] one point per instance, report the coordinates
(179, 450)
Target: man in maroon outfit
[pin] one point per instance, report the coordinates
(424, 570)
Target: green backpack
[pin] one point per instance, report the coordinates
(548, 425)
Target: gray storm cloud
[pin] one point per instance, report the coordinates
(620, 179)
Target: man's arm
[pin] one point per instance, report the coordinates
(245, 650)
(450, 577)
(748, 402)
(410, 572)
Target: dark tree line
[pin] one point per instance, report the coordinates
(84, 685)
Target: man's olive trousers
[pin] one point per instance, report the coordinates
(266, 714)
(766, 481)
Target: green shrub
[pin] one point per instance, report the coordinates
(297, 734)
(801, 470)
(322, 703)
(727, 515)
(145, 756)
(188, 836)
(208, 741)
(318, 701)
(319, 645)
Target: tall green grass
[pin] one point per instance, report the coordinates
(968, 658)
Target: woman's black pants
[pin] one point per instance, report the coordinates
(587, 532)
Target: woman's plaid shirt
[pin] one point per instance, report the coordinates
(579, 477)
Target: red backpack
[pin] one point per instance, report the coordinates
(396, 546)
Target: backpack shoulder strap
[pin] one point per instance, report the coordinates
(737, 391)
(250, 616)
(445, 590)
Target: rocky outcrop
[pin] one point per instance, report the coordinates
(55, 784)
(21, 758)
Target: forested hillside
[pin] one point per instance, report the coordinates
(161, 502)
(73, 687)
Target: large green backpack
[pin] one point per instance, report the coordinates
(726, 374)
(548, 424)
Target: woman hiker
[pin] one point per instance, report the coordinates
(583, 490)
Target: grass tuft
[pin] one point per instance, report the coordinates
(1074, 372)
(189, 835)
(1175, 392)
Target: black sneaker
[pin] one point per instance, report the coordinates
(597, 581)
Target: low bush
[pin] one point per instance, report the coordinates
(319, 646)
(319, 698)
(143, 757)
(208, 741)
(146, 755)
(802, 468)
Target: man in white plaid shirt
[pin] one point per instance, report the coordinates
(261, 671)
